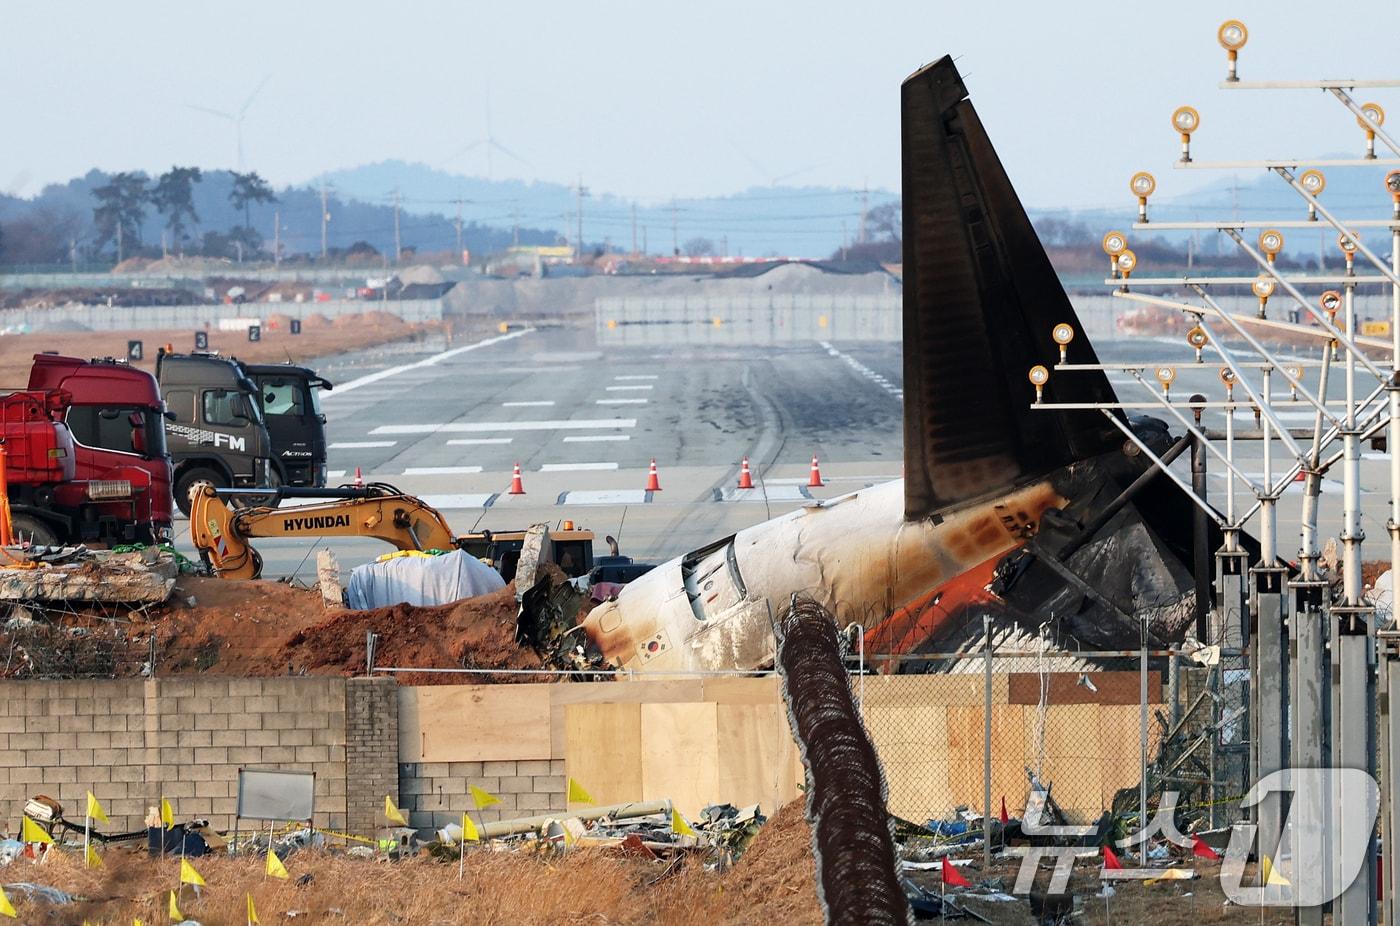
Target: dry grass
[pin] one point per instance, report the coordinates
(498, 887)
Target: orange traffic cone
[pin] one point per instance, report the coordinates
(359, 479)
(516, 486)
(815, 480)
(653, 483)
(745, 478)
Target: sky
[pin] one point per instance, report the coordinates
(654, 100)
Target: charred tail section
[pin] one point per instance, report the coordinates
(980, 299)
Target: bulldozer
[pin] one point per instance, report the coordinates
(223, 534)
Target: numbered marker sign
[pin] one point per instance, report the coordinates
(201, 340)
(255, 332)
(296, 326)
(134, 351)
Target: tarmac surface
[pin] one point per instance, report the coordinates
(584, 421)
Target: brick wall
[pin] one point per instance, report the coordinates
(133, 741)
(371, 750)
(435, 793)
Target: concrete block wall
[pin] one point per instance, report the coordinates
(434, 794)
(133, 741)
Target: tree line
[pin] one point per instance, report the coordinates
(121, 205)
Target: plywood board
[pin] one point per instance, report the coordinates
(1120, 760)
(603, 750)
(473, 723)
(1073, 763)
(628, 692)
(912, 744)
(1065, 688)
(680, 755)
(922, 690)
(759, 762)
(766, 689)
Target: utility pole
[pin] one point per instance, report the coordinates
(459, 228)
(325, 218)
(864, 211)
(581, 191)
(277, 237)
(119, 240)
(675, 232)
(398, 241)
(634, 229)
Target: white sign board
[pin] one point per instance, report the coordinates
(273, 794)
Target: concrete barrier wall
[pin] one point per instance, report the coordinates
(147, 318)
(748, 320)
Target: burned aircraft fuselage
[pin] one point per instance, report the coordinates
(1005, 509)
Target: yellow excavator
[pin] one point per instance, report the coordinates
(222, 534)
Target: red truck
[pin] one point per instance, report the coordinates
(114, 484)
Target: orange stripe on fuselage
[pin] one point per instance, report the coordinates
(915, 621)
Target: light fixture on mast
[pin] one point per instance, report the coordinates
(1142, 184)
(1314, 183)
(1373, 117)
(1186, 120)
(1232, 35)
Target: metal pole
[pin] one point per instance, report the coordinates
(1389, 655)
(987, 747)
(1142, 740)
(1201, 539)
(1393, 390)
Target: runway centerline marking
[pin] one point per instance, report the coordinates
(575, 467)
(476, 427)
(441, 470)
(592, 438)
(621, 402)
(543, 404)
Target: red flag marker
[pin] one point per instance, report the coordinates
(951, 876)
(1201, 849)
(1110, 861)
(1004, 818)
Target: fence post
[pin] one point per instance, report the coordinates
(987, 748)
(1142, 743)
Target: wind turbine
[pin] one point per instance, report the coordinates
(488, 142)
(236, 118)
(763, 171)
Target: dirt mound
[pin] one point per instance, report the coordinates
(477, 633)
(775, 880)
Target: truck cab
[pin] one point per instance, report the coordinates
(216, 432)
(120, 491)
(291, 407)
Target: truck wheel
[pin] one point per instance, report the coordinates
(29, 528)
(195, 479)
(259, 501)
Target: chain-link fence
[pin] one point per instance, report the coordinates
(1073, 722)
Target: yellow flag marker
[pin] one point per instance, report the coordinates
(167, 814)
(252, 911)
(188, 875)
(136, 921)
(7, 908)
(1272, 877)
(175, 915)
(578, 795)
(678, 824)
(392, 813)
(275, 868)
(94, 809)
(33, 832)
(481, 797)
(469, 831)
(90, 857)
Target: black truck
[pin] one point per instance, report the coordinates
(292, 412)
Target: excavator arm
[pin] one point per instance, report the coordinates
(222, 534)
